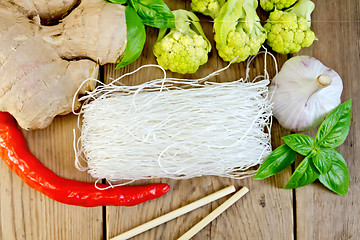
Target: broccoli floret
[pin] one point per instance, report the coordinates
(238, 32)
(269, 5)
(185, 48)
(207, 7)
(288, 31)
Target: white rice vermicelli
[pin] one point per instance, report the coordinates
(160, 130)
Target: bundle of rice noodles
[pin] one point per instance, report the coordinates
(175, 128)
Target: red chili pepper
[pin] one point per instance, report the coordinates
(15, 153)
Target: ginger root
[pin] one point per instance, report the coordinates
(41, 67)
(46, 9)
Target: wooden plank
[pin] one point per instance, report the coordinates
(27, 214)
(264, 213)
(320, 214)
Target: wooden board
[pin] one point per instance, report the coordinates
(26, 213)
(321, 214)
(263, 204)
(266, 212)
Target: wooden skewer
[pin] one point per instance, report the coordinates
(174, 214)
(205, 221)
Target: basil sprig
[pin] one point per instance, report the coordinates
(322, 161)
(153, 13)
(135, 36)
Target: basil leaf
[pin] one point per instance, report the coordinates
(118, 1)
(304, 174)
(300, 143)
(323, 159)
(154, 13)
(337, 179)
(277, 161)
(335, 128)
(136, 37)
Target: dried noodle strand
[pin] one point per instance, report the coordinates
(175, 128)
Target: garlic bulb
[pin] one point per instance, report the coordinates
(304, 92)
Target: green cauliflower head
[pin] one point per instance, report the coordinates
(185, 48)
(269, 5)
(288, 31)
(207, 7)
(238, 32)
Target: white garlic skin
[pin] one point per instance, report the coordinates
(299, 101)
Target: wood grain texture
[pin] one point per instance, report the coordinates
(264, 213)
(26, 213)
(320, 214)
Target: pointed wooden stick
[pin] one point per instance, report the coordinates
(205, 221)
(174, 214)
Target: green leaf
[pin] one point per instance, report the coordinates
(136, 37)
(304, 174)
(277, 161)
(335, 128)
(188, 23)
(300, 143)
(118, 1)
(302, 9)
(323, 159)
(337, 179)
(154, 13)
(227, 20)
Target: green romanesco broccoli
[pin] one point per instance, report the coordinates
(269, 5)
(185, 48)
(288, 31)
(238, 32)
(207, 7)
